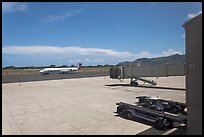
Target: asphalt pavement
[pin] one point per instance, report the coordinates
(39, 77)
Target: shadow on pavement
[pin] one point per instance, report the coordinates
(180, 131)
(154, 131)
(174, 131)
(145, 86)
(143, 122)
(136, 120)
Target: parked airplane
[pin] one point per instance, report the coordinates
(60, 70)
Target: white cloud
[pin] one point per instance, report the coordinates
(78, 54)
(145, 54)
(171, 52)
(191, 15)
(87, 60)
(14, 6)
(42, 50)
(71, 13)
(49, 50)
(99, 60)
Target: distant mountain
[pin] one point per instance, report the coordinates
(124, 63)
(173, 59)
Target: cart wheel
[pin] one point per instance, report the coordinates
(159, 124)
(135, 84)
(120, 110)
(129, 115)
(122, 113)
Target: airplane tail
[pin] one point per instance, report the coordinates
(79, 66)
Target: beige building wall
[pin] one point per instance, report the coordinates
(193, 43)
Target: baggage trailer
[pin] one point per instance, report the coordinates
(160, 120)
(135, 72)
(158, 104)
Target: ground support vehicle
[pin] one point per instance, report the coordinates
(159, 119)
(161, 104)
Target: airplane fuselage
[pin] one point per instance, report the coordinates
(60, 70)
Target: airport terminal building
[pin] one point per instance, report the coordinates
(193, 43)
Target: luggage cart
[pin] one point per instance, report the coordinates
(158, 104)
(160, 120)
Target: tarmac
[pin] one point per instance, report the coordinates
(40, 77)
(80, 106)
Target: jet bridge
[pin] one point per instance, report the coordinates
(135, 72)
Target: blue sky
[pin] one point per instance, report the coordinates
(64, 33)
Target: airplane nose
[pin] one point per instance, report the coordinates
(41, 71)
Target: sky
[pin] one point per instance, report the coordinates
(65, 33)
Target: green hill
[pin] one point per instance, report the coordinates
(173, 59)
